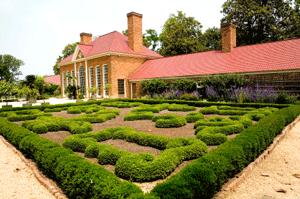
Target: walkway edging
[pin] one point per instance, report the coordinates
(44, 181)
(246, 171)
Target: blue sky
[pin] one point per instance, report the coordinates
(36, 31)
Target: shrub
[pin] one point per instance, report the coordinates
(193, 117)
(170, 121)
(209, 110)
(73, 110)
(184, 107)
(40, 128)
(143, 115)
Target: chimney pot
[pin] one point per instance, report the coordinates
(135, 35)
(228, 37)
(86, 38)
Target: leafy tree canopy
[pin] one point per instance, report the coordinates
(9, 68)
(181, 35)
(213, 39)
(260, 21)
(150, 38)
(67, 51)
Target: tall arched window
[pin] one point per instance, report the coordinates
(81, 80)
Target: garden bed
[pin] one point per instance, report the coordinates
(147, 126)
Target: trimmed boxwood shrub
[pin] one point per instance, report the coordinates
(121, 104)
(141, 115)
(169, 121)
(178, 107)
(209, 110)
(57, 123)
(88, 109)
(193, 117)
(24, 115)
(205, 176)
(55, 109)
(214, 121)
(176, 151)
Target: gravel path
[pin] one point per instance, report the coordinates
(274, 175)
(17, 180)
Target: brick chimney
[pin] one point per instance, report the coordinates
(228, 37)
(135, 36)
(85, 38)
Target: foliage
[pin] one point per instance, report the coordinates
(150, 38)
(213, 38)
(169, 121)
(154, 86)
(6, 89)
(219, 84)
(181, 35)
(187, 85)
(27, 92)
(9, 68)
(67, 51)
(261, 21)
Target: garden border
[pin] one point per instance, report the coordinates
(36, 172)
(247, 170)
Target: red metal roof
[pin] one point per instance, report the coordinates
(111, 42)
(55, 79)
(281, 55)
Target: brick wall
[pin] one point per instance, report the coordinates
(228, 37)
(135, 37)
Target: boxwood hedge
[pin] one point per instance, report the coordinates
(23, 115)
(169, 121)
(77, 177)
(148, 167)
(205, 176)
(140, 115)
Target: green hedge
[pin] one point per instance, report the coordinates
(169, 121)
(178, 107)
(193, 117)
(147, 167)
(140, 115)
(44, 124)
(214, 121)
(205, 176)
(206, 104)
(77, 177)
(23, 115)
(121, 104)
(55, 109)
(87, 109)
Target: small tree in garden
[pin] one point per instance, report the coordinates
(6, 89)
(107, 87)
(29, 93)
(93, 91)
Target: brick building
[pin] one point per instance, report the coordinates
(124, 62)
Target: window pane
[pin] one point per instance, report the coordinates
(120, 86)
(98, 79)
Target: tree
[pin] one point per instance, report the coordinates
(213, 39)
(150, 38)
(181, 35)
(260, 21)
(67, 51)
(9, 68)
(6, 89)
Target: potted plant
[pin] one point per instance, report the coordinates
(107, 87)
(93, 91)
(6, 89)
(71, 91)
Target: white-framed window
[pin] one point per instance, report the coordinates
(68, 79)
(72, 75)
(63, 83)
(105, 79)
(98, 79)
(91, 72)
(121, 83)
(81, 80)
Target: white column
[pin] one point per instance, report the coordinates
(86, 79)
(125, 87)
(131, 90)
(75, 73)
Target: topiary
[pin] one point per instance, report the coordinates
(40, 128)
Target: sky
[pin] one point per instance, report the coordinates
(36, 31)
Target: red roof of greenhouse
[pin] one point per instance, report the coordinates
(111, 42)
(55, 79)
(275, 56)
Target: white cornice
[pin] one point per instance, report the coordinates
(109, 53)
